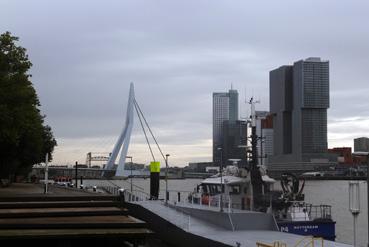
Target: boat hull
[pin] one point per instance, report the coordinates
(316, 228)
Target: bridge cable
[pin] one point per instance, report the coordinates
(136, 104)
(147, 140)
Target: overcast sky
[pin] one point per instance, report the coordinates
(177, 53)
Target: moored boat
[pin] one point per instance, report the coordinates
(233, 190)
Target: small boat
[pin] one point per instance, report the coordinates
(233, 190)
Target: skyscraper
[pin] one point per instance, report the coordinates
(299, 99)
(234, 141)
(225, 108)
(280, 90)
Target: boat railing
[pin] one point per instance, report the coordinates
(214, 201)
(314, 211)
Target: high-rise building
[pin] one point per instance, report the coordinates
(280, 93)
(361, 144)
(225, 108)
(310, 104)
(266, 140)
(234, 142)
(299, 99)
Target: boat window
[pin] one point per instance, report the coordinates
(205, 188)
(235, 189)
(217, 189)
(211, 189)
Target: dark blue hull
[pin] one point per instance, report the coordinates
(318, 228)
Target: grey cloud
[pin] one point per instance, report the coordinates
(85, 54)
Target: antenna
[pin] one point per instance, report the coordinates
(252, 102)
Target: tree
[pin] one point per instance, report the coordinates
(24, 139)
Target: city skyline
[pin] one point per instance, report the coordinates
(85, 54)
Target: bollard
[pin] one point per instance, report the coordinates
(167, 196)
(94, 188)
(121, 195)
(154, 180)
(179, 196)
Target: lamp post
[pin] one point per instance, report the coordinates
(166, 179)
(221, 179)
(354, 202)
(367, 184)
(46, 173)
(130, 157)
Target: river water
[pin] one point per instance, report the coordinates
(334, 193)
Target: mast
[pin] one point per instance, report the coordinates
(256, 179)
(254, 137)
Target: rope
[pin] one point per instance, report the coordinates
(147, 140)
(136, 104)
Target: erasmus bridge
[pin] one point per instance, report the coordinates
(117, 157)
(123, 141)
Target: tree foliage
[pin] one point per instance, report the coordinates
(24, 138)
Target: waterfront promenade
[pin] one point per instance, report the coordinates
(29, 189)
(67, 217)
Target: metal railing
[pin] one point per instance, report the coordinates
(308, 241)
(275, 244)
(135, 195)
(314, 211)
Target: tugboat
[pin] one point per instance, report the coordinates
(250, 188)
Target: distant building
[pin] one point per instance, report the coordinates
(225, 108)
(344, 155)
(234, 142)
(299, 99)
(360, 160)
(199, 166)
(361, 144)
(267, 146)
(265, 136)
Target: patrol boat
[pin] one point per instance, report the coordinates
(250, 188)
(233, 190)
